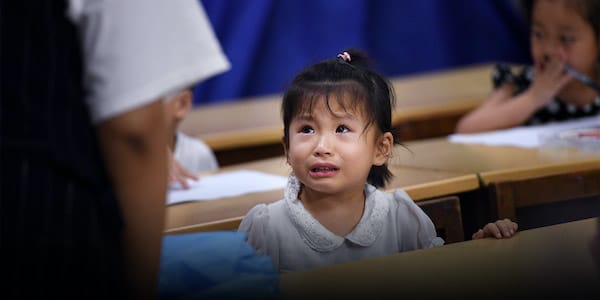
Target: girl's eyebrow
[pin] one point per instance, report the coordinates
(567, 28)
(304, 117)
(338, 115)
(344, 115)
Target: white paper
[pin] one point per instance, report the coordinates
(226, 184)
(524, 136)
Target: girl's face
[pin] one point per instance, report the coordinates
(560, 32)
(331, 152)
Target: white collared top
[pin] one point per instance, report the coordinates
(296, 241)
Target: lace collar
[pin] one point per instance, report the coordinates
(319, 238)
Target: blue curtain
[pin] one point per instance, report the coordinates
(269, 41)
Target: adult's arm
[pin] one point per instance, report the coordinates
(133, 146)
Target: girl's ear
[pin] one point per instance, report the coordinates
(383, 149)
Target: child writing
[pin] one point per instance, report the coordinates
(338, 138)
(188, 156)
(563, 34)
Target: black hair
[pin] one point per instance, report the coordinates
(589, 10)
(339, 78)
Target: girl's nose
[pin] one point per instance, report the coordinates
(323, 146)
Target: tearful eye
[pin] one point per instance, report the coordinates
(306, 129)
(342, 129)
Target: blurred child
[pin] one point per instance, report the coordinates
(564, 33)
(338, 138)
(190, 155)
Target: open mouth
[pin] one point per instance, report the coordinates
(323, 169)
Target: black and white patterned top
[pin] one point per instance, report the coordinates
(556, 110)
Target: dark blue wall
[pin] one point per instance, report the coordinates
(269, 41)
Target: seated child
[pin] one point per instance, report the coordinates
(563, 33)
(338, 138)
(189, 155)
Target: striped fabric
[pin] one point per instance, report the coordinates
(60, 222)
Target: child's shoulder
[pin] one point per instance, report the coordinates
(400, 195)
(263, 210)
(261, 214)
(393, 197)
(405, 207)
(401, 199)
(398, 203)
(189, 140)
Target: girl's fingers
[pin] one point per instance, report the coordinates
(479, 234)
(507, 227)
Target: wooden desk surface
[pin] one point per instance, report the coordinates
(419, 184)
(493, 163)
(432, 168)
(547, 261)
(257, 121)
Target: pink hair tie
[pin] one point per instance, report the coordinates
(345, 56)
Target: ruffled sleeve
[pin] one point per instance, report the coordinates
(417, 229)
(255, 225)
(503, 74)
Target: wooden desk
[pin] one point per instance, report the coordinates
(492, 162)
(550, 261)
(513, 177)
(419, 184)
(428, 105)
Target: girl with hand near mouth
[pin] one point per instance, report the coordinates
(565, 35)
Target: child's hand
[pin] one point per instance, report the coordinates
(550, 78)
(178, 173)
(499, 229)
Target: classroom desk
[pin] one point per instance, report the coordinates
(514, 177)
(419, 184)
(553, 261)
(428, 104)
(493, 163)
